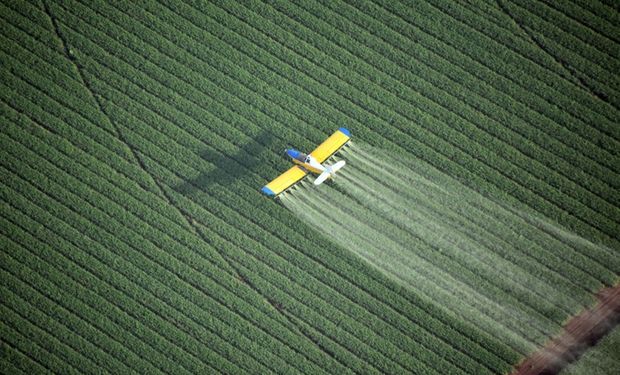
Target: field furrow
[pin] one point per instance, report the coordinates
(479, 209)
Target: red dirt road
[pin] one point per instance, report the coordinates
(581, 332)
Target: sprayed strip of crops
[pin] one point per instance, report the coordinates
(135, 136)
(419, 227)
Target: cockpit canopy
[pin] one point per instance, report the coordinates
(297, 155)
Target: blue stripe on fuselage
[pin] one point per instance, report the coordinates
(294, 154)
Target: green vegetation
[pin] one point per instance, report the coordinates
(454, 246)
(135, 137)
(601, 359)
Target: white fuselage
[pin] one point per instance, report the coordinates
(312, 165)
(309, 163)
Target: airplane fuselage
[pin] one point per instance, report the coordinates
(306, 161)
(310, 163)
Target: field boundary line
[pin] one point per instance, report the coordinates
(543, 15)
(158, 183)
(88, 271)
(62, 236)
(554, 7)
(328, 72)
(100, 107)
(292, 330)
(538, 195)
(532, 61)
(531, 36)
(482, 97)
(578, 334)
(476, 128)
(217, 300)
(73, 60)
(90, 221)
(319, 262)
(138, 159)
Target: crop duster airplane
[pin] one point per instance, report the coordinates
(310, 163)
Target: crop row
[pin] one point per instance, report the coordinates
(482, 18)
(345, 106)
(523, 246)
(34, 126)
(21, 355)
(599, 64)
(522, 60)
(115, 152)
(282, 270)
(496, 238)
(181, 105)
(136, 225)
(218, 193)
(587, 40)
(477, 71)
(180, 151)
(445, 60)
(491, 140)
(496, 111)
(94, 341)
(165, 328)
(445, 257)
(599, 14)
(432, 280)
(209, 204)
(24, 332)
(84, 276)
(123, 292)
(64, 133)
(210, 190)
(590, 18)
(441, 262)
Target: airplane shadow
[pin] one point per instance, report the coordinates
(231, 167)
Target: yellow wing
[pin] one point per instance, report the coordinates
(331, 145)
(284, 181)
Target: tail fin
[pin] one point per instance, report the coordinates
(329, 172)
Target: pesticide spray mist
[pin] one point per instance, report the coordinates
(467, 254)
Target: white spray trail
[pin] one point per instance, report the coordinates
(434, 236)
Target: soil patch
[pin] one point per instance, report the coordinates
(581, 332)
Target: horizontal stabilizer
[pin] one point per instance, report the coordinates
(322, 177)
(329, 172)
(334, 168)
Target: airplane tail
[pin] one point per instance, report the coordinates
(330, 171)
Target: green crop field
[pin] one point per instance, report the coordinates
(602, 359)
(479, 209)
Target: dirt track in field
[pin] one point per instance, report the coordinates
(581, 332)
